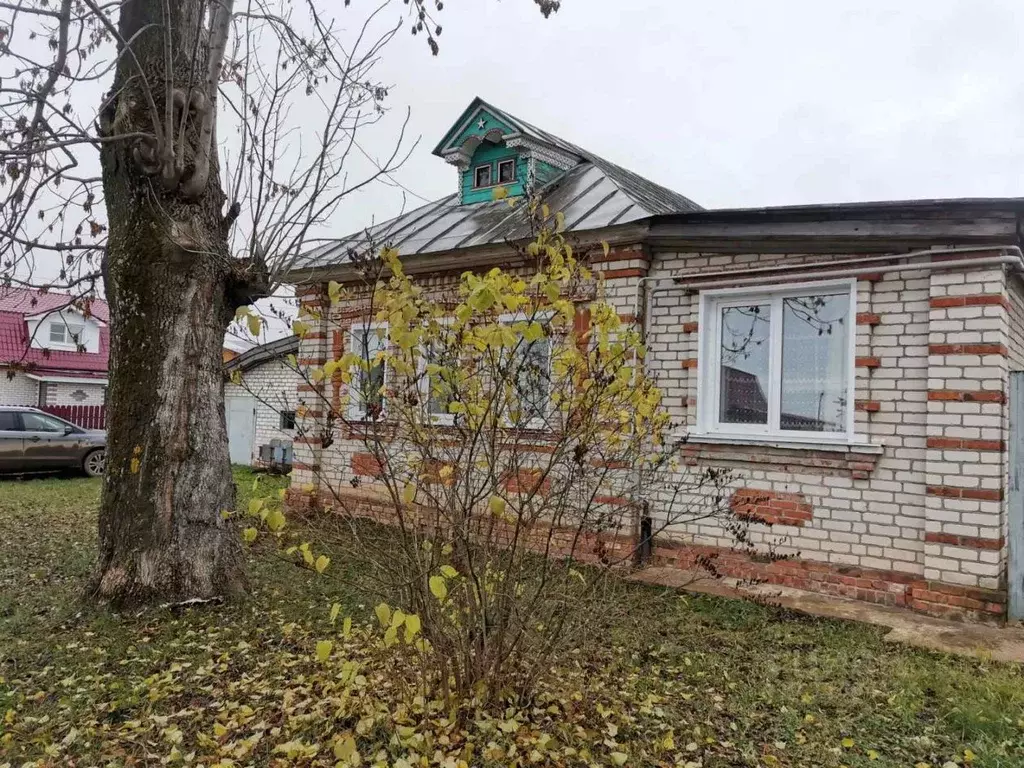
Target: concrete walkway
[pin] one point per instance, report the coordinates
(979, 640)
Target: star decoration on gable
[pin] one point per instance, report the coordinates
(481, 124)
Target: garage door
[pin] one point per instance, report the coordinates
(240, 412)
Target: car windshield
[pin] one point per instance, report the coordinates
(39, 422)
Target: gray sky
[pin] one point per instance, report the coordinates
(738, 103)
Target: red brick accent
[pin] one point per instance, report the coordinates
(968, 396)
(307, 467)
(977, 300)
(868, 362)
(971, 542)
(962, 444)
(613, 501)
(311, 360)
(893, 588)
(431, 472)
(978, 494)
(366, 465)
(823, 462)
(868, 318)
(314, 336)
(871, 277)
(871, 406)
(628, 318)
(527, 481)
(690, 362)
(613, 274)
(967, 349)
(581, 327)
(771, 507)
(311, 387)
(690, 327)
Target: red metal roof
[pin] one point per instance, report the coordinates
(18, 303)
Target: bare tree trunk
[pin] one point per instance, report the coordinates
(173, 289)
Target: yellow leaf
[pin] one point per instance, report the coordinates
(346, 627)
(219, 730)
(391, 636)
(409, 493)
(275, 520)
(255, 505)
(872, 754)
(607, 248)
(397, 618)
(969, 756)
(335, 610)
(499, 193)
(134, 465)
(412, 627)
(497, 505)
(300, 328)
(323, 650)
(249, 535)
(619, 758)
(848, 742)
(446, 471)
(334, 291)
(321, 563)
(438, 588)
(448, 572)
(345, 750)
(383, 614)
(254, 323)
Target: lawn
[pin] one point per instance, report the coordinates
(696, 681)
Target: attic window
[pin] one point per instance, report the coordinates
(506, 171)
(482, 176)
(65, 334)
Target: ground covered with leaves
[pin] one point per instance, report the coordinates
(278, 680)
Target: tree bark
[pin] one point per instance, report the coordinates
(173, 289)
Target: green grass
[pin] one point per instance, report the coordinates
(733, 683)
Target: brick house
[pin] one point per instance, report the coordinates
(53, 349)
(260, 398)
(853, 365)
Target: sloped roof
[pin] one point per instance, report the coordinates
(272, 350)
(18, 303)
(592, 195)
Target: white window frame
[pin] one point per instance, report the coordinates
(439, 419)
(356, 409)
(490, 171)
(68, 334)
(539, 422)
(709, 361)
(512, 162)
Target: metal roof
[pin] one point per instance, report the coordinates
(592, 195)
(272, 350)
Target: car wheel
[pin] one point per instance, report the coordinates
(95, 462)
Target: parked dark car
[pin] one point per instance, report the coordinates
(33, 441)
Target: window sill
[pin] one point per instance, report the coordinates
(837, 446)
(852, 459)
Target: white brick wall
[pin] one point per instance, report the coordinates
(17, 390)
(274, 384)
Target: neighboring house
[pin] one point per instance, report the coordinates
(53, 349)
(260, 398)
(855, 366)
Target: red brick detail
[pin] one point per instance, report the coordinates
(871, 277)
(366, 465)
(613, 501)
(978, 494)
(628, 318)
(431, 472)
(962, 444)
(822, 462)
(971, 542)
(690, 327)
(893, 588)
(314, 336)
(868, 362)
(871, 406)
(581, 327)
(967, 349)
(527, 481)
(613, 274)
(311, 387)
(690, 362)
(868, 318)
(772, 507)
(968, 396)
(311, 360)
(307, 467)
(977, 300)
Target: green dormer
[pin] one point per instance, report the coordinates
(491, 150)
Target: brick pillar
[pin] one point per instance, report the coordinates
(968, 331)
(313, 353)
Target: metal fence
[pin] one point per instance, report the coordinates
(86, 416)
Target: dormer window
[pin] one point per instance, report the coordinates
(482, 176)
(65, 335)
(506, 171)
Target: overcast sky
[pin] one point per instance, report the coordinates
(737, 103)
